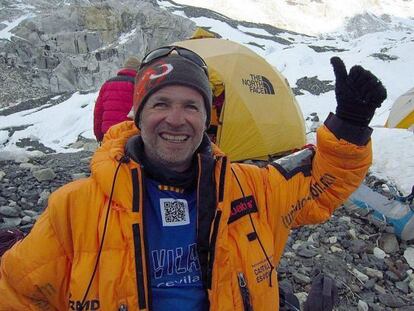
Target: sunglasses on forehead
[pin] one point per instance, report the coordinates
(167, 50)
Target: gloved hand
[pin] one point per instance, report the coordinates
(323, 295)
(358, 93)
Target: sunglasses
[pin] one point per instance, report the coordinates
(183, 52)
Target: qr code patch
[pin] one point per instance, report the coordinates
(174, 212)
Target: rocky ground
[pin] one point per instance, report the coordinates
(368, 264)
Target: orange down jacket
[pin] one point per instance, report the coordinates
(50, 269)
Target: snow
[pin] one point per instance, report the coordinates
(124, 37)
(55, 127)
(5, 33)
(304, 16)
(58, 126)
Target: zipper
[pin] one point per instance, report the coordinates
(123, 307)
(244, 291)
(212, 248)
(139, 244)
(139, 266)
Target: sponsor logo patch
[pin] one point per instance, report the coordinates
(258, 84)
(316, 189)
(242, 207)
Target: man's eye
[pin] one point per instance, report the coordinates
(192, 107)
(160, 105)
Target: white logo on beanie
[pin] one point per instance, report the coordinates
(167, 68)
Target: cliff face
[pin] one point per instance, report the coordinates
(65, 46)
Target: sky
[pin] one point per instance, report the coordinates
(393, 148)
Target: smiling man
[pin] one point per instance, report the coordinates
(167, 222)
(172, 124)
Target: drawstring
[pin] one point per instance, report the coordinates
(257, 235)
(123, 159)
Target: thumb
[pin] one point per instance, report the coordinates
(339, 69)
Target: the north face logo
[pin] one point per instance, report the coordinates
(258, 84)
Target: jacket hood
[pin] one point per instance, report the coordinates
(107, 158)
(127, 72)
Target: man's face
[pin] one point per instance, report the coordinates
(172, 124)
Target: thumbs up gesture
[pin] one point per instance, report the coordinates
(358, 93)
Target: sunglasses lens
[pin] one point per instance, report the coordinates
(183, 52)
(154, 55)
(191, 56)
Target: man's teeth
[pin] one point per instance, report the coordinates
(174, 138)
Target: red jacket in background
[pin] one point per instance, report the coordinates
(114, 102)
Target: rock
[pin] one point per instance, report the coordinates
(91, 146)
(332, 239)
(392, 276)
(10, 211)
(26, 220)
(409, 256)
(289, 255)
(2, 174)
(379, 253)
(28, 166)
(370, 284)
(313, 85)
(302, 296)
(373, 273)
(388, 242)
(44, 195)
(300, 278)
(307, 251)
(402, 286)
(21, 158)
(29, 213)
(362, 306)
(361, 276)
(375, 307)
(379, 289)
(79, 176)
(10, 222)
(411, 285)
(80, 45)
(358, 246)
(352, 234)
(391, 300)
(44, 174)
(335, 249)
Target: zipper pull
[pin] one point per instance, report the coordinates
(242, 280)
(244, 291)
(123, 308)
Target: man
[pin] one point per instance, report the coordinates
(166, 222)
(115, 99)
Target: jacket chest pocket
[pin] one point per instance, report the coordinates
(252, 251)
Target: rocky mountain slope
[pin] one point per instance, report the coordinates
(66, 46)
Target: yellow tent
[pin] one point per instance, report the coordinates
(402, 111)
(260, 116)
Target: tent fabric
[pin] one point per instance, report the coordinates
(200, 33)
(402, 111)
(216, 82)
(260, 116)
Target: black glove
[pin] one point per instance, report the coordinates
(323, 295)
(357, 94)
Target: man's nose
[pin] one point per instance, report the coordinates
(175, 116)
